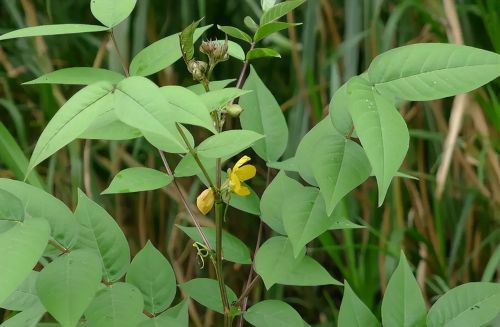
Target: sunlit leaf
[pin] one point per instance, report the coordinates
(279, 11)
(111, 12)
(58, 29)
(227, 143)
(78, 76)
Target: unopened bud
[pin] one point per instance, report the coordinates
(234, 110)
(197, 69)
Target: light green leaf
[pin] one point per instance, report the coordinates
(468, 305)
(403, 304)
(174, 317)
(186, 40)
(46, 30)
(273, 313)
(248, 203)
(99, 232)
(236, 33)
(153, 275)
(189, 167)
(381, 129)
(233, 248)
(107, 126)
(219, 98)
(24, 297)
(140, 104)
(160, 54)
(21, 246)
(339, 111)
(274, 198)
(353, 312)
(28, 318)
(307, 148)
(304, 217)
(432, 70)
(250, 23)
(257, 53)
(74, 117)
(138, 179)
(38, 203)
(235, 50)
(111, 12)
(339, 165)
(213, 86)
(262, 114)
(228, 143)
(279, 11)
(186, 107)
(270, 28)
(11, 207)
(267, 4)
(68, 284)
(205, 291)
(119, 305)
(78, 76)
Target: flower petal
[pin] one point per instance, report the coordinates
(246, 172)
(205, 201)
(242, 191)
(241, 162)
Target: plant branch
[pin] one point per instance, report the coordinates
(219, 220)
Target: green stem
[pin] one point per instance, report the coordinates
(219, 220)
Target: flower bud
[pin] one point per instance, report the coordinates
(197, 69)
(215, 50)
(234, 110)
(205, 201)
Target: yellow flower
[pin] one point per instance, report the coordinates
(239, 174)
(205, 201)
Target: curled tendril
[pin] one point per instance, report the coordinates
(201, 252)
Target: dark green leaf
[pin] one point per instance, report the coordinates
(279, 11)
(186, 40)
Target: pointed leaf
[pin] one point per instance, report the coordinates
(228, 143)
(68, 284)
(279, 11)
(262, 114)
(236, 33)
(205, 291)
(353, 312)
(28, 318)
(153, 275)
(58, 29)
(213, 86)
(186, 40)
(219, 98)
(138, 179)
(112, 12)
(273, 313)
(381, 130)
(11, 207)
(174, 317)
(24, 297)
(270, 28)
(257, 53)
(107, 126)
(22, 246)
(78, 76)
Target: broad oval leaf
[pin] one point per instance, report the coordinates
(11, 207)
(403, 304)
(78, 76)
(339, 166)
(100, 232)
(28, 318)
(262, 114)
(22, 246)
(233, 248)
(262, 53)
(74, 117)
(219, 98)
(160, 54)
(24, 297)
(353, 312)
(228, 143)
(118, 305)
(107, 126)
(205, 291)
(58, 29)
(68, 284)
(138, 179)
(266, 4)
(111, 12)
(176, 316)
(432, 70)
(279, 10)
(153, 275)
(468, 305)
(273, 313)
(234, 50)
(236, 33)
(381, 129)
(270, 28)
(339, 111)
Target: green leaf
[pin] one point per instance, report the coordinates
(273, 313)
(468, 305)
(289, 164)
(46, 30)
(21, 246)
(138, 179)
(353, 312)
(267, 4)
(160, 54)
(186, 39)
(119, 305)
(174, 317)
(12, 208)
(38, 203)
(140, 104)
(262, 53)
(234, 50)
(270, 28)
(68, 284)
(151, 273)
(236, 33)
(403, 304)
(339, 111)
(28, 318)
(199, 89)
(74, 117)
(339, 165)
(381, 129)
(422, 72)
(99, 232)
(186, 107)
(262, 114)
(228, 143)
(250, 23)
(111, 12)
(78, 76)
(279, 11)
(274, 198)
(205, 291)
(304, 217)
(233, 248)
(107, 126)
(219, 98)
(189, 167)
(307, 148)
(248, 203)
(24, 297)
